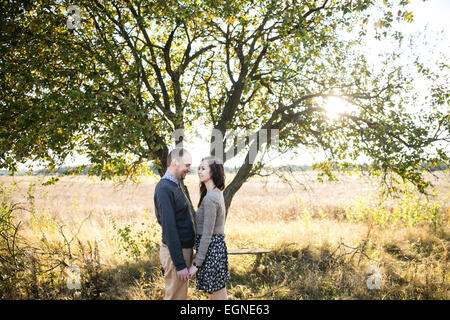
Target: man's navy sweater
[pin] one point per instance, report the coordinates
(172, 212)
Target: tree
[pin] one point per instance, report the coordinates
(117, 87)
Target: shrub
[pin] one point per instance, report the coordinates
(410, 209)
(133, 243)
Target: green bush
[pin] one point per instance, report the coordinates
(409, 209)
(134, 244)
(22, 272)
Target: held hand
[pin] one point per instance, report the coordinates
(183, 274)
(192, 270)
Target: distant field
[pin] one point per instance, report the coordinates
(323, 237)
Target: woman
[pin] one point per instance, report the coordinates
(211, 260)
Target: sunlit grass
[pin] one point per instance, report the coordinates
(322, 237)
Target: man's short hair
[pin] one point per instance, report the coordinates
(176, 154)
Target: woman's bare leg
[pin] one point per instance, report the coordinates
(219, 295)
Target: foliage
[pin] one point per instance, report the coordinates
(409, 209)
(116, 88)
(22, 274)
(39, 270)
(136, 244)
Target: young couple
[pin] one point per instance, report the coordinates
(182, 229)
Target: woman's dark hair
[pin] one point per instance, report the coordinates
(217, 175)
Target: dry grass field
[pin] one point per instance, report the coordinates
(323, 238)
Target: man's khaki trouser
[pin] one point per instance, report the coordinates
(176, 289)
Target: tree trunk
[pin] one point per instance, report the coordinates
(242, 176)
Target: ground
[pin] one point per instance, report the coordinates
(324, 238)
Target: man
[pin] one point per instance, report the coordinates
(172, 210)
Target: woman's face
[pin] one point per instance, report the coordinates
(204, 173)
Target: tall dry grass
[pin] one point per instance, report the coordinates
(323, 238)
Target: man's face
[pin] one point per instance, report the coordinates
(183, 166)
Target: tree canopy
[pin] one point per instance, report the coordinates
(120, 81)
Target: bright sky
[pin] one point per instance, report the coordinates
(430, 18)
(432, 12)
(431, 23)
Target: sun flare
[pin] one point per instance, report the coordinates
(335, 107)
